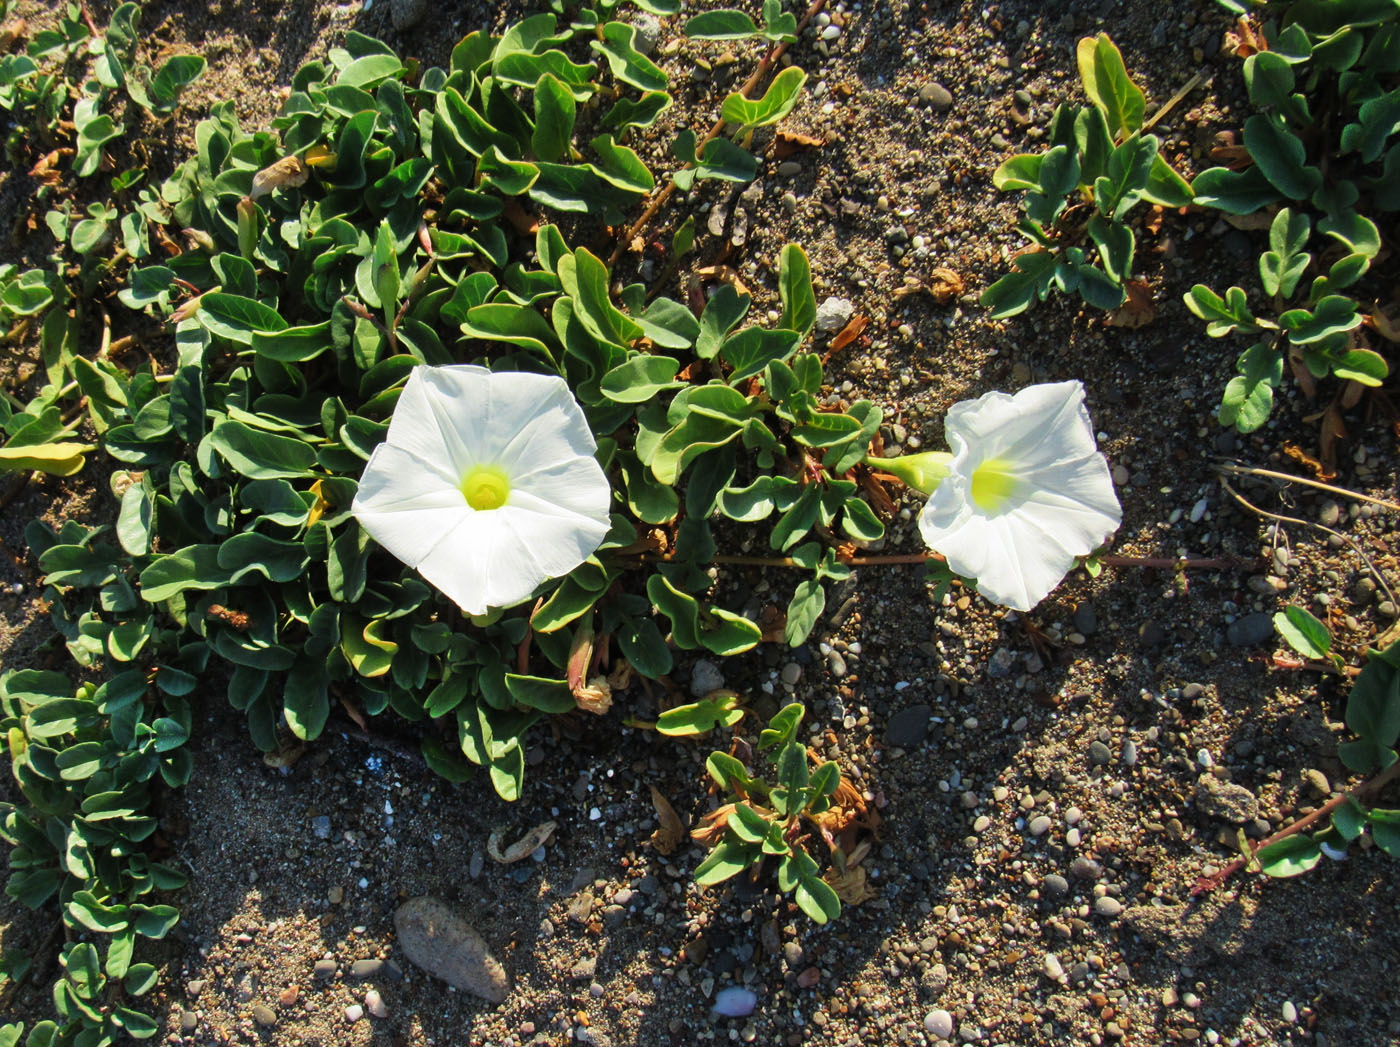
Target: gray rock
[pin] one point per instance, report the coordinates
(405, 14)
(1108, 906)
(189, 1021)
(648, 33)
(1251, 630)
(1086, 619)
(1085, 869)
(1040, 825)
(1225, 800)
(444, 945)
(1054, 970)
(324, 969)
(368, 968)
(833, 313)
(1001, 663)
(1099, 753)
(936, 95)
(908, 727)
(1056, 886)
(264, 1015)
(705, 676)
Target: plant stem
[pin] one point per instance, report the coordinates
(1241, 470)
(1206, 884)
(896, 559)
(769, 60)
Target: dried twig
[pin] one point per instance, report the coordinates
(1380, 578)
(1172, 102)
(1235, 469)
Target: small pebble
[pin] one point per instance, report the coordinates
(354, 1012)
(939, 1024)
(374, 1003)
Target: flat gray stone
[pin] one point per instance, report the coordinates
(1225, 800)
(908, 727)
(1251, 630)
(444, 945)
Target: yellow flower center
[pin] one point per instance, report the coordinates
(485, 487)
(994, 483)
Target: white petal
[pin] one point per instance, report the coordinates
(416, 426)
(1012, 567)
(401, 499)
(548, 427)
(497, 558)
(576, 485)
(1041, 423)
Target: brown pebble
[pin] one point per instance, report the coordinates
(288, 996)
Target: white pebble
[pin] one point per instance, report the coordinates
(374, 1003)
(354, 1012)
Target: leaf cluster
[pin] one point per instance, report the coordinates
(88, 760)
(765, 819)
(1322, 137)
(1099, 165)
(324, 262)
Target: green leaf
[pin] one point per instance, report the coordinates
(804, 611)
(1362, 365)
(293, 344)
(1249, 397)
(236, 318)
(1108, 85)
(721, 25)
(261, 455)
(795, 290)
(640, 378)
(816, 898)
(1234, 192)
(620, 166)
(729, 858)
(780, 98)
(1304, 633)
(555, 112)
(719, 709)
(644, 647)
(1223, 315)
(722, 314)
(1280, 156)
(1373, 706)
(1018, 290)
(1332, 315)
(62, 458)
(1115, 243)
(1165, 187)
(176, 74)
(369, 70)
(135, 518)
(1020, 172)
(1291, 856)
(1377, 120)
(549, 696)
(1269, 78)
(1283, 265)
(1385, 830)
(306, 697)
(627, 63)
(754, 348)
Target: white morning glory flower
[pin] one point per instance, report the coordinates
(486, 483)
(1026, 492)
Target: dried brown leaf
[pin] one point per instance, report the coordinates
(789, 143)
(1250, 222)
(1235, 157)
(521, 848)
(711, 828)
(1138, 310)
(47, 169)
(596, 697)
(12, 32)
(851, 886)
(288, 171)
(670, 831)
(944, 285)
(1379, 321)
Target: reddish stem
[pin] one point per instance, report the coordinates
(1206, 884)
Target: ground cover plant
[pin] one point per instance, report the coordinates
(409, 448)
